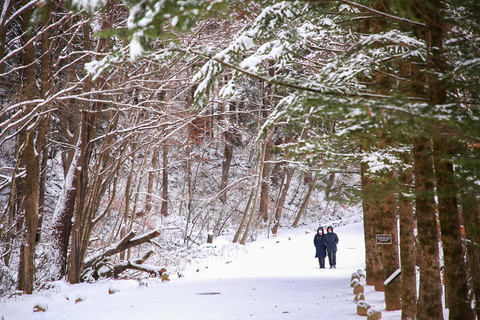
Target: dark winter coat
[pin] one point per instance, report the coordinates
(319, 242)
(331, 240)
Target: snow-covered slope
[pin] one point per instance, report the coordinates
(272, 278)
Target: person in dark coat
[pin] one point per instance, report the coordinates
(321, 249)
(331, 240)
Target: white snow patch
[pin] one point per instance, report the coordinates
(272, 278)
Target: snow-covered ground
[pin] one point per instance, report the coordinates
(272, 278)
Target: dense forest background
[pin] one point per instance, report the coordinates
(126, 126)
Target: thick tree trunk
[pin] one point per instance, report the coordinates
(471, 216)
(455, 267)
(430, 295)
(75, 262)
(31, 160)
(456, 276)
(389, 253)
(45, 75)
(370, 215)
(62, 217)
(407, 247)
(408, 254)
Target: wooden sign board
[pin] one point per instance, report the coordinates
(383, 239)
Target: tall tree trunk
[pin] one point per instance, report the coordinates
(260, 167)
(226, 163)
(75, 263)
(281, 200)
(31, 160)
(140, 174)
(408, 254)
(430, 295)
(244, 216)
(188, 174)
(265, 189)
(369, 234)
(456, 276)
(128, 195)
(87, 201)
(164, 209)
(228, 138)
(471, 216)
(62, 217)
(455, 266)
(268, 102)
(374, 270)
(45, 86)
(151, 179)
(407, 246)
(304, 206)
(389, 253)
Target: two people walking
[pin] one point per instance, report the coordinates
(326, 244)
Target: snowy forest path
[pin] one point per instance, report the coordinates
(276, 278)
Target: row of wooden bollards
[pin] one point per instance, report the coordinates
(363, 308)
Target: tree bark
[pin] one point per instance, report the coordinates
(456, 276)
(126, 211)
(31, 160)
(260, 167)
(265, 188)
(455, 267)
(471, 216)
(370, 214)
(244, 216)
(281, 200)
(430, 295)
(151, 178)
(228, 138)
(62, 217)
(407, 247)
(164, 209)
(304, 206)
(389, 253)
(45, 75)
(226, 164)
(88, 193)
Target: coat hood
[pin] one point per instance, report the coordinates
(321, 228)
(329, 227)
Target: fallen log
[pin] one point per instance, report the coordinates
(93, 264)
(153, 270)
(109, 272)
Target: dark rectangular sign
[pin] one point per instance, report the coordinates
(384, 239)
